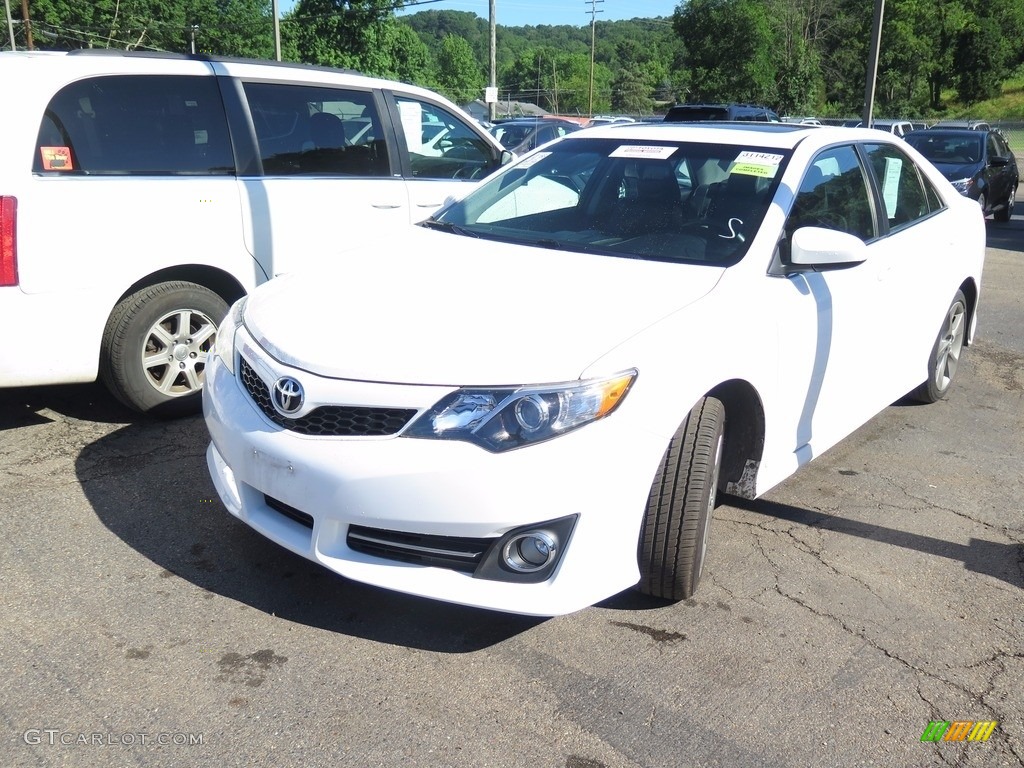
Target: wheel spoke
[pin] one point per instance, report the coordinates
(192, 379)
(204, 333)
(167, 382)
(160, 334)
(156, 360)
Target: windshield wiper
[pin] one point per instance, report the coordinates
(447, 226)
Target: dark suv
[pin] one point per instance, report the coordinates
(979, 164)
(696, 113)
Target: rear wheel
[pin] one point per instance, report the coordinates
(945, 357)
(674, 538)
(1005, 213)
(156, 345)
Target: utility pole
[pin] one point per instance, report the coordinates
(872, 74)
(277, 30)
(593, 37)
(10, 23)
(194, 28)
(493, 92)
(28, 25)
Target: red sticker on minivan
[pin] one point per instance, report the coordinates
(56, 158)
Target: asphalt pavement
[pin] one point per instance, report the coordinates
(875, 592)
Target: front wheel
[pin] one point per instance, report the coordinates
(945, 357)
(674, 538)
(156, 345)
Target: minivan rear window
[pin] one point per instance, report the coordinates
(135, 124)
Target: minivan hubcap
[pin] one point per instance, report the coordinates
(175, 352)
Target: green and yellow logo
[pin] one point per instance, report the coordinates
(963, 730)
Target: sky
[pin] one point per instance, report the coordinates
(520, 13)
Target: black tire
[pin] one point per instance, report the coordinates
(944, 359)
(1004, 214)
(983, 203)
(673, 540)
(175, 320)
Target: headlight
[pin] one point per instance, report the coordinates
(509, 417)
(962, 186)
(224, 347)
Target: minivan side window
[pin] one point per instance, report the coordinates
(135, 124)
(317, 131)
(440, 145)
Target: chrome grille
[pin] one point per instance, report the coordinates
(327, 420)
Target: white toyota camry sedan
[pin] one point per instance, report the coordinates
(529, 402)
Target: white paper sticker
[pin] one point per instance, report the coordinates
(533, 160)
(638, 150)
(758, 158)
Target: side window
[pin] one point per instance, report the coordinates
(994, 150)
(454, 151)
(135, 124)
(317, 131)
(834, 195)
(903, 196)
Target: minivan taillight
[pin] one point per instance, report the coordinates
(8, 241)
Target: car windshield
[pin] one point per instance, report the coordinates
(512, 135)
(939, 148)
(657, 200)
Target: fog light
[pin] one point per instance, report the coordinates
(529, 551)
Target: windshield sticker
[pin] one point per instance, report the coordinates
(652, 153)
(763, 164)
(531, 161)
(56, 158)
(755, 169)
(758, 158)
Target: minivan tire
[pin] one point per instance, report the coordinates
(156, 344)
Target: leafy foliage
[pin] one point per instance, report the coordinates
(799, 56)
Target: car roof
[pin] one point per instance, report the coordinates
(770, 135)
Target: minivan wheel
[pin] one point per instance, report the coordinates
(156, 345)
(945, 357)
(1005, 213)
(674, 537)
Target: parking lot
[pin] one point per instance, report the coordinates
(876, 591)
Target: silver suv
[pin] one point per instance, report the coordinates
(140, 194)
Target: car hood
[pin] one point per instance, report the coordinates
(955, 171)
(443, 309)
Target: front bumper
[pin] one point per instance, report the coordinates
(304, 492)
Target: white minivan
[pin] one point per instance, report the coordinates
(142, 193)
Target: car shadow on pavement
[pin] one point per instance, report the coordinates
(1001, 561)
(149, 485)
(1006, 237)
(26, 406)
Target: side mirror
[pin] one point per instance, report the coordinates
(507, 156)
(998, 162)
(819, 248)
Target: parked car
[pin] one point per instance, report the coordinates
(896, 127)
(979, 164)
(543, 410)
(141, 194)
(695, 113)
(523, 134)
(971, 125)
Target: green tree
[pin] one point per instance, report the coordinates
(458, 74)
(731, 49)
(345, 33)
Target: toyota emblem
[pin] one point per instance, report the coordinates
(287, 396)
